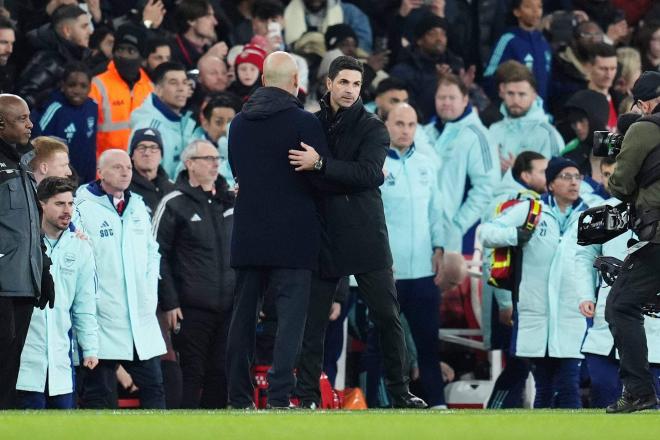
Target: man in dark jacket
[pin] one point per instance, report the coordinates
(63, 41)
(24, 266)
(276, 237)
(149, 179)
(355, 237)
(419, 67)
(193, 227)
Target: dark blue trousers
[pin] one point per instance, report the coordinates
(510, 384)
(557, 382)
(34, 400)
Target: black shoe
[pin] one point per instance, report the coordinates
(409, 401)
(628, 403)
(308, 404)
(288, 407)
(248, 407)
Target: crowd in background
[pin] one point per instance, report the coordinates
(485, 101)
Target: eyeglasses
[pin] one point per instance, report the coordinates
(145, 148)
(570, 176)
(206, 158)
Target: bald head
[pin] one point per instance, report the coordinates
(15, 124)
(454, 271)
(281, 71)
(213, 73)
(115, 169)
(401, 123)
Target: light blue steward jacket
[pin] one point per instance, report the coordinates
(599, 339)
(548, 318)
(412, 212)
(468, 163)
(128, 265)
(47, 353)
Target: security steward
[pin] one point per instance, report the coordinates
(639, 281)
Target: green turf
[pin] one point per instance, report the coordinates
(367, 425)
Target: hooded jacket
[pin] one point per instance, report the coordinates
(276, 221)
(152, 191)
(594, 105)
(193, 230)
(45, 69)
(529, 132)
(127, 265)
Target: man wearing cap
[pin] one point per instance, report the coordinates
(639, 282)
(163, 110)
(419, 67)
(548, 327)
(149, 178)
(122, 88)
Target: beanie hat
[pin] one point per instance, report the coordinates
(337, 33)
(557, 165)
(428, 22)
(136, 36)
(146, 134)
(251, 54)
(647, 86)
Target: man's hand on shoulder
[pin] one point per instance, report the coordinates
(304, 159)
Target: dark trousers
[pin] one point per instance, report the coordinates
(557, 382)
(510, 384)
(605, 383)
(379, 292)
(290, 290)
(202, 345)
(635, 286)
(33, 400)
(15, 314)
(100, 384)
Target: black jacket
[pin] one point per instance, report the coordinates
(45, 68)
(193, 230)
(276, 222)
(22, 255)
(151, 190)
(354, 232)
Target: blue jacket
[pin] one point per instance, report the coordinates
(547, 318)
(469, 170)
(47, 352)
(591, 288)
(176, 130)
(412, 212)
(127, 263)
(508, 189)
(77, 125)
(530, 132)
(527, 47)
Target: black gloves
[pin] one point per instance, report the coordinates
(47, 289)
(524, 235)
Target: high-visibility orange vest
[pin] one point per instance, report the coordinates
(116, 102)
(501, 261)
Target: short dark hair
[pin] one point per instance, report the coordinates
(100, 32)
(222, 99)
(163, 68)
(6, 23)
(344, 62)
(602, 50)
(513, 71)
(75, 67)
(265, 9)
(52, 186)
(606, 161)
(523, 163)
(64, 13)
(452, 79)
(190, 10)
(154, 42)
(391, 83)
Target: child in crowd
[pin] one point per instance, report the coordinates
(249, 66)
(71, 115)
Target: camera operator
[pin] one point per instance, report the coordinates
(639, 281)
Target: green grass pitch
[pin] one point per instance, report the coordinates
(304, 425)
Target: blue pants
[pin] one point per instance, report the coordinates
(34, 400)
(510, 384)
(419, 300)
(557, 382)
(100, 383)
(605, 383)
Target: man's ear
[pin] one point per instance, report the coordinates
(2, 122)
(328, 83)
(43, 168)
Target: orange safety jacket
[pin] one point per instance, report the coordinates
(116, 102)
